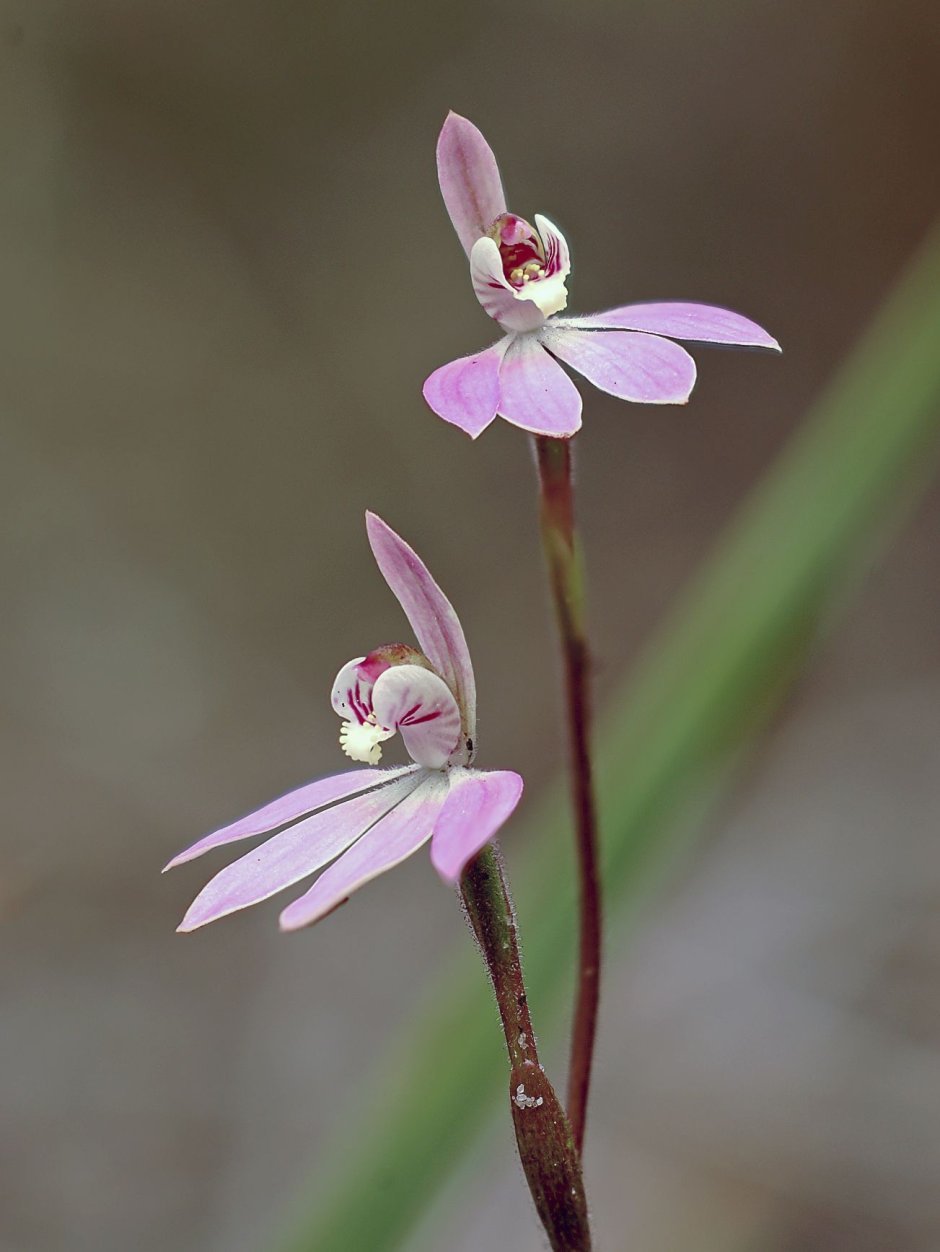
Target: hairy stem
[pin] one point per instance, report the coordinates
(543, 1135)
(559, 540)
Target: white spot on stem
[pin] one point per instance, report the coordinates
(523, 1101)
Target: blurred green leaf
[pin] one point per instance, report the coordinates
(718, 667)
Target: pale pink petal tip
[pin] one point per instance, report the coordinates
(466, 392)
(469, 178)
(639, 367)
(432, 616)
(475, 809)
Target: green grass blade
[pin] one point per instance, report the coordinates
(720, 664)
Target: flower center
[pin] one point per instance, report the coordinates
(395, 690)
(520, 248)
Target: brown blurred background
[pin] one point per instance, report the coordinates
(225, 272)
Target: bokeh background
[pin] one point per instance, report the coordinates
(225, 272)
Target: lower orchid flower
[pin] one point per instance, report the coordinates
(366, 821)
(519, 273)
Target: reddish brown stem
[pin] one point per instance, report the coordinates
(564, 566)
(549, 1158)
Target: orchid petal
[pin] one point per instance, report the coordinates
(421, 707)
(643, 368)
(535, 392)
(469, 178)
(351, 696)
(390, 841)
(550, 292)
(475, 809)
(700, 323)
(432, 617)
(500, 300)
(293, 854)
(288, 807)
(557, 255)
(466, 392)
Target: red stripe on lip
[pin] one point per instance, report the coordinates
(416, 721)
(357, 705)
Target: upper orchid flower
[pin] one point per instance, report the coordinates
(519, 274)
(429, 698)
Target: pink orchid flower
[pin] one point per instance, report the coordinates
(519, 272)
(366, 821)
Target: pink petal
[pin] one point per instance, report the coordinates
(702, 323)
(476, 807)
(469, 178)
(535, 392)
(290, 806)
(400, 833)
(351, 696)
(632, 366)
(293, 854)
(466, 392)
(557, 256)
(498, 297)
(419, 705)
(432, 617)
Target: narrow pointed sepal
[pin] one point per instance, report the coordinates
(293, 855)
(432, 616)
(469, 178)
(393, 838)
(677, 319)
(289, 807)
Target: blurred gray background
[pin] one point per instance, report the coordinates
(226, 271)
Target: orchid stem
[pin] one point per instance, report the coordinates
(559, 540)
(546, 1147)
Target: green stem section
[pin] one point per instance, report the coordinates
(543, 1135)
(563, 556)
